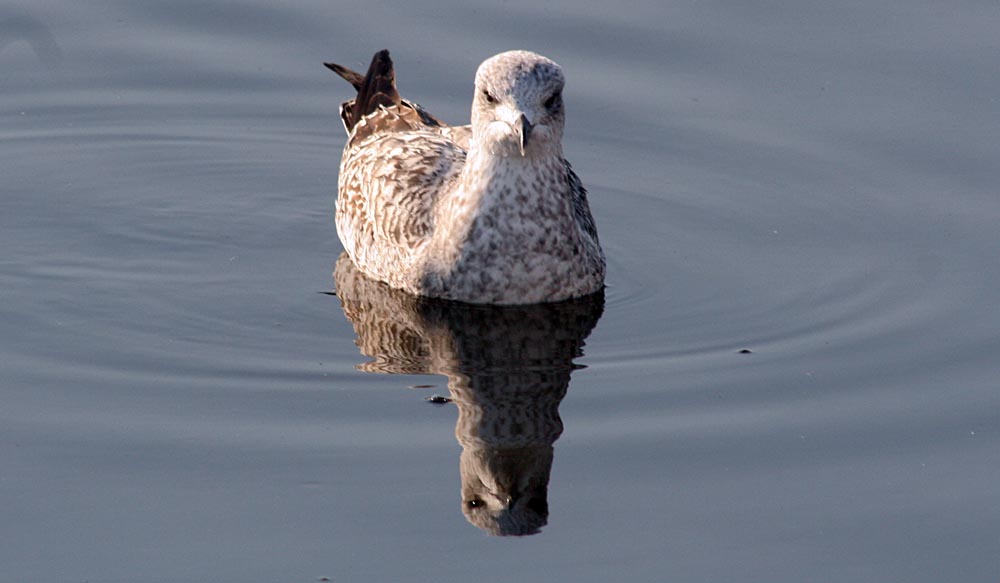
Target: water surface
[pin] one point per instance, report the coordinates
(813, 182)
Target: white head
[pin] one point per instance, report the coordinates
(518, 107)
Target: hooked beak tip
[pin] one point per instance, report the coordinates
(524, 128)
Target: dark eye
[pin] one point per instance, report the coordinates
(553, 100)
(489, 98)
(474, 503)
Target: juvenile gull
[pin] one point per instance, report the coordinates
(487, 213)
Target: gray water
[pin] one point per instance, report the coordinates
(182, 400)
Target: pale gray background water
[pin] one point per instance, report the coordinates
(815, 181)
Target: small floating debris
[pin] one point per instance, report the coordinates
(746, 351)
(437, 399)
(421, 386)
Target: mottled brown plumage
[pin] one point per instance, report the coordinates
(487, 213)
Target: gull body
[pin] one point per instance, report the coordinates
(485, 213)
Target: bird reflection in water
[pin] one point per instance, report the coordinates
(508, 368)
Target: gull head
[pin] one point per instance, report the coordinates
(518, 108)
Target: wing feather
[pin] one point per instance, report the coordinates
(390, 180)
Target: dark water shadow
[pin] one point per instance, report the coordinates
(508, 368)
(17, 26)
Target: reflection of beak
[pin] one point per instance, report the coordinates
(523, 129)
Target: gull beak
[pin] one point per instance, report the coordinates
(523, 128)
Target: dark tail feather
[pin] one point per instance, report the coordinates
(376, 88)
(353, 77)
(379, 87)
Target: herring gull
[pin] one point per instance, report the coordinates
(487, 213)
